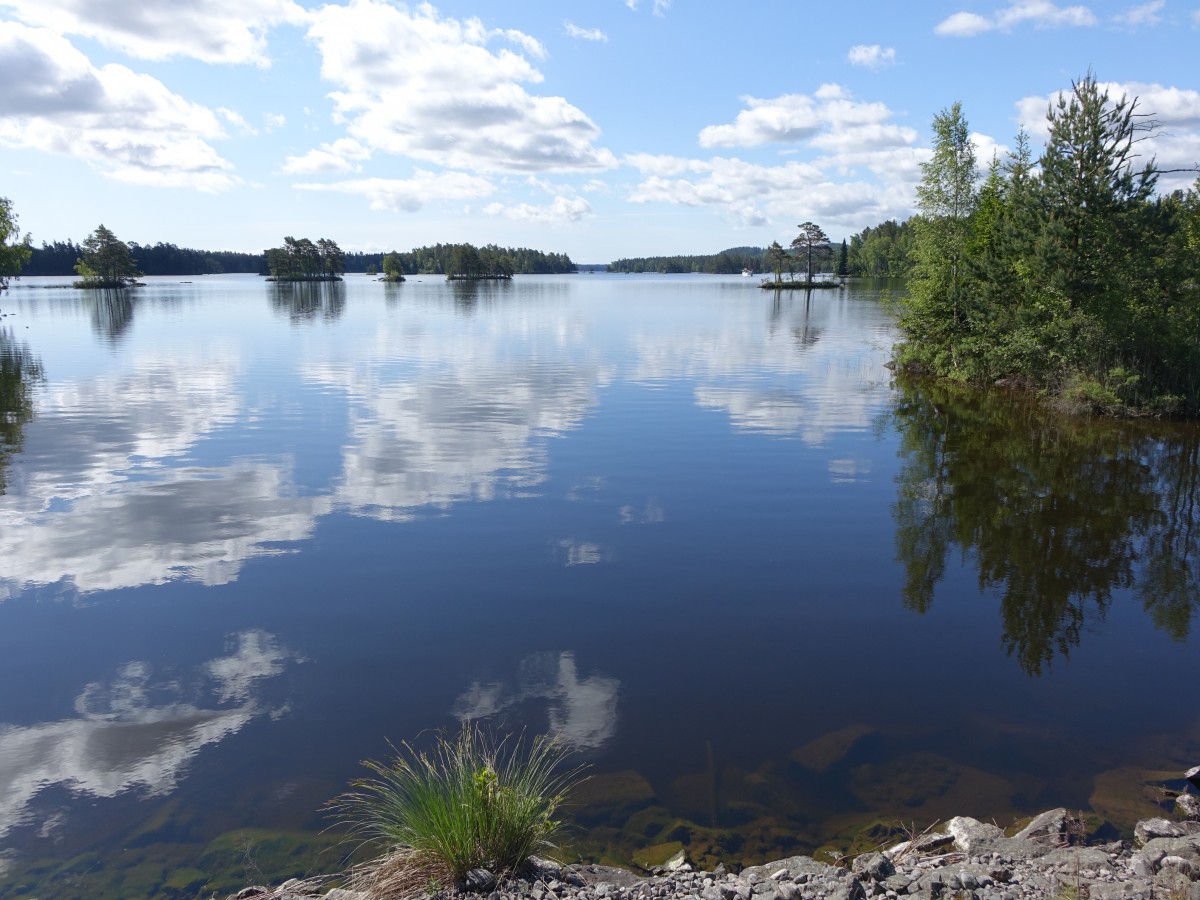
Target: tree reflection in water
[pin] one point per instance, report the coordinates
(1055, 512)
(19, 371)
(305, 301)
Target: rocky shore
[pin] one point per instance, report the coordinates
(964, 859)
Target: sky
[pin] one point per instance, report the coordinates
(602, 129)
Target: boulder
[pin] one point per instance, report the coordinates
(1051, 826)
(971, 836)
(1149, 829)
(1193, 776)
(1188, 806)
(875, 866)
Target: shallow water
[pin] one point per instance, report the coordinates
(250, 533)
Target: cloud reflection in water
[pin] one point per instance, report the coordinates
(583, 711)
(136, 730)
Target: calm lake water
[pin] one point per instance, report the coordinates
(777, 600)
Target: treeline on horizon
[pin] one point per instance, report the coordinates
(883, 251)
(59, 258)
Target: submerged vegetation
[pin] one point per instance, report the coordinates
(472, 802)
(1066, 274)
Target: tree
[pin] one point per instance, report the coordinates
(393, 267)
(106, 261)
(842, 269)
(776, 256)
(934, 317)
(15, 254)
(809, 243)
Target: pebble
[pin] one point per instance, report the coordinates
(1004, 869)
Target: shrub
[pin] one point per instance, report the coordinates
(472, 802)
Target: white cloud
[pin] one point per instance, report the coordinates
(793, 118)
(410, 194)
(871, 56)
(415, 84)
(274, 120)
(1039, 13)
(661, 7)
(1144, 15)
(236, 119)
(342, 155)
(584, 34)
(563, 209)
(213, 31)
(128, 126)
(865, 168)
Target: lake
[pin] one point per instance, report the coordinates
(778, 600)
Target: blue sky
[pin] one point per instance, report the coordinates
(602, 129)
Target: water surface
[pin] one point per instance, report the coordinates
(249, 533)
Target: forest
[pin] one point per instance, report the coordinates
(1069, 274)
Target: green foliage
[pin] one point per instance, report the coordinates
(14, 250)
(727, 262)
(882, 251)
(1070, 276)
(393, 267)
(471, 802)
(811, 245)
(438, 259)
(304, 260)
(106, 261)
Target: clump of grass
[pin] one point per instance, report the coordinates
(472, 802)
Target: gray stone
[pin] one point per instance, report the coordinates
(1181, 865)
(922, 844)
(852, 890)
(1193, 776)
(1049, 826)
(875, 866)
(1144, 863)
(972, 836)
(343, 894)
(1188, 806)
(252, 891)
(1149, 829)
(479, 880)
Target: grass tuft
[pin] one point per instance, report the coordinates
(471, 802)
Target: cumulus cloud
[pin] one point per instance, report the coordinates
(794, 118)
(340, 156)
(864, 169)
(213, 31)
(584, 34)
(410, 194)
(871, 56)
(1039, 13)
(563, 209)
(130, 127)
(416, 84)
(1145, 15)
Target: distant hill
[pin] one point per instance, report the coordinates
(727, 262)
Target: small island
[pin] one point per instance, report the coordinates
(106, 263)
(304, 260)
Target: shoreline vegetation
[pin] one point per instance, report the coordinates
(1067, 275)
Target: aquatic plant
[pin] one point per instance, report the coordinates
(472, 802)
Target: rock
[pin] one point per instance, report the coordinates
(1149, 829)
(252, 891)
(1050, 826)
(875, 866)
(1193, 776)
(479, 880)
(1181, 865)
(828, 750)
(972, 836)
(851, 891)
(1188, 805)
(343, 894)
(925, 843)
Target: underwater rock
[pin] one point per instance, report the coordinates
(828, 750)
